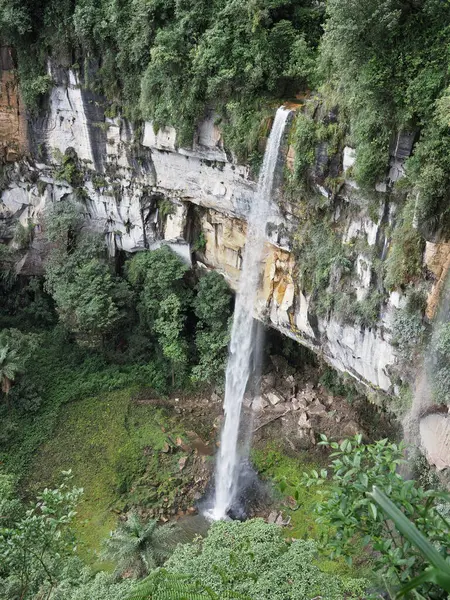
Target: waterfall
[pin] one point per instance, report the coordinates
(242, 341)
(426, 424)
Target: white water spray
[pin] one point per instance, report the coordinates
(424, 399)
(242, 333)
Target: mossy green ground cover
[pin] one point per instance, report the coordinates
(285, 473)
(114, 447)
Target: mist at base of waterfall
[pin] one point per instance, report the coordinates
(251, 497)
(424, 401)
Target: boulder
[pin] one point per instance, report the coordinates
(304, 422)
(307, 393)
(274, 397)
(304, 439)
(259, 403)
(299, 404)
(316, 408)
(272, 517)
(329, 400)
(280, 520)
(351, 428)
(215, 398)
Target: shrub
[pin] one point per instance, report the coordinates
(349, 510)
(23, 235)
(408, 333)
(36, 544)
(305, 142)
(439, 363)
(404, 261)
(251, 560)
(212, 306)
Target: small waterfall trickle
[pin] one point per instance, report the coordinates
(429, 402)
(242, 343)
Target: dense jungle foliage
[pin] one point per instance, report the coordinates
(385, 65)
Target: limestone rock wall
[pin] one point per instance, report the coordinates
(130, 175)
(366, 354)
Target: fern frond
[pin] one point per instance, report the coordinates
(162, 585)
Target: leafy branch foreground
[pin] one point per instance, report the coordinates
(349, 510)
(439, 572)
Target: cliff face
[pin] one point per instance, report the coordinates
(13, 124)
(140, 189)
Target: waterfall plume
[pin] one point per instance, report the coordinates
(242, 344)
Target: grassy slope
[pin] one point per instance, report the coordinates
(276, 467)
(113, 447)
(273, 464)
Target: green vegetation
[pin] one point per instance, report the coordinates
(212, 307)
(348, 510)
(439, 361)
(408, 333)
(78, 344)
(59, 371)
(90, 439)
(439, 573)
(404, 262)
(35, 543)
(286, 472)
(90, 300)
(122, 453)
(170, 61)
(69, 169)
(138, 547)
(251, 560)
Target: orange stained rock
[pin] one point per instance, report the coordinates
(437, 259)
(13, 123)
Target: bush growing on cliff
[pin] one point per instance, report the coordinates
(163, 298)
(90, 301)
(388, 64)
(439, 363)
(404, 261)
(408, 331)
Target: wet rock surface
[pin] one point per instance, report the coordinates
(435, 439)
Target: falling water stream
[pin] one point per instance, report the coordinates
(425, 400)
(243, 333)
